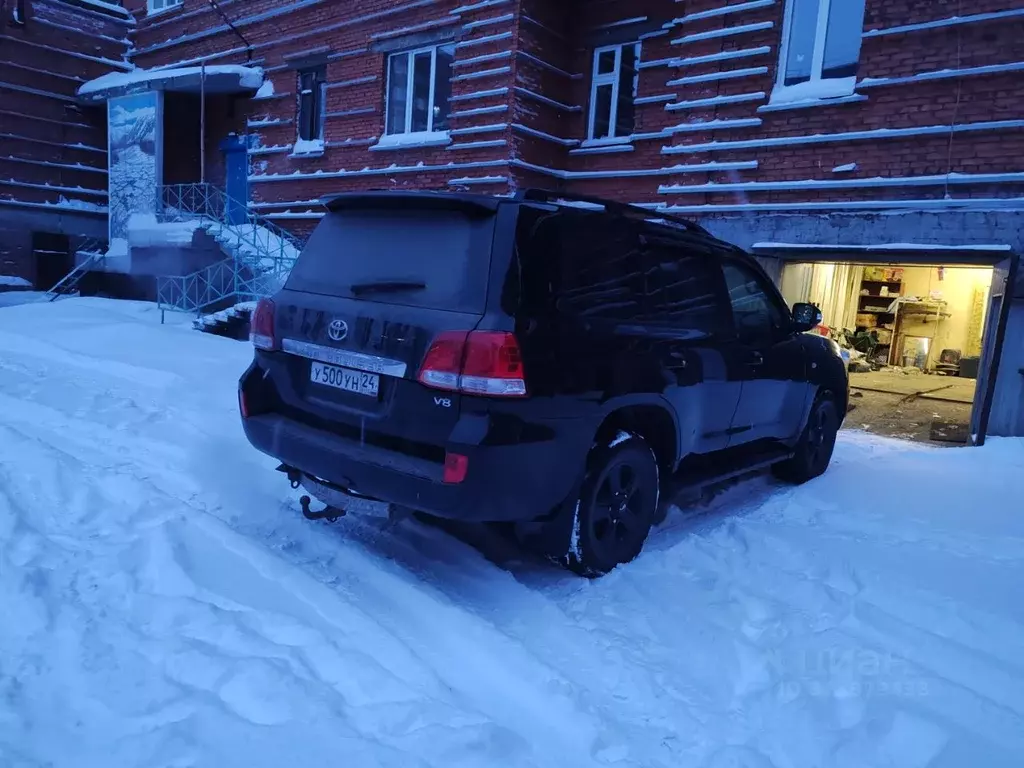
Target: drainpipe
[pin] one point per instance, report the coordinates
(202, 123)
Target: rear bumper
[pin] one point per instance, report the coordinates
(503, 483)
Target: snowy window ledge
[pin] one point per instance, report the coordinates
(308, 148)
(610, 141)
(852, 98)
(813, 90)
(412, 140)
(602, 147)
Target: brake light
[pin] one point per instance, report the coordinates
(475, 362)
(443, 364)
(261, 326)
(243, 406)
(455, 468)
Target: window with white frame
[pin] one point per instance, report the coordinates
(612, 91)
(418, 90)
(162, 5)
(820, 49)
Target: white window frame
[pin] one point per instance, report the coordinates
(817, 87)
(610, 78)
(156, 6)
(407, 136)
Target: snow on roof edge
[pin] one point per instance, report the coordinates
(248, 77)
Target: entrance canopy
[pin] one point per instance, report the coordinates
(887, 253)
(223, 78)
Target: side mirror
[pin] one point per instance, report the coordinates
(805, 317)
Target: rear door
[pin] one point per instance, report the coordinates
(687, 313)
(766, 355)
(367, 296)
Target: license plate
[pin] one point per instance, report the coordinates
(359, 382)
(351, 504)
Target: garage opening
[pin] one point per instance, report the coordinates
(913, 335)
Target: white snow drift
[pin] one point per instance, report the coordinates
(164, 604)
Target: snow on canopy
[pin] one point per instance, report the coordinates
(248, 77)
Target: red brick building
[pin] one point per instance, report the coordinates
(790, 127)
(872, 109)
(53, 152)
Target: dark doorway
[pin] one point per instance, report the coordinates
(181, 138)
(53, 258)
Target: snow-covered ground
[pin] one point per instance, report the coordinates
(163, 603)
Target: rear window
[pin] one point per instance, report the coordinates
(423, 258)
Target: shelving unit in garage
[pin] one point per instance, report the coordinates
(879, 287)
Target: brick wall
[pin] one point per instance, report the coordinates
(53, 149)
(707, 135)
(704, 103)
(350, 37)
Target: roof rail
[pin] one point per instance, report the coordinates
(621, 209)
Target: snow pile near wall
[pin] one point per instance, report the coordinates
(10, 281)
(248, 77)
(145, 230)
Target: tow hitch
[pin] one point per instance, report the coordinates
(330, 514)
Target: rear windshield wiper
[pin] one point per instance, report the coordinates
(387, 286)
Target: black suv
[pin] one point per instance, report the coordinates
(557, 363)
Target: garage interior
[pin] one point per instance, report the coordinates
(913, 335)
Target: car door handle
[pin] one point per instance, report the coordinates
(756, 358)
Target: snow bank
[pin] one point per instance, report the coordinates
(10, 299)
(14, 282)
(165, 604)
(248, 77)
(145, 230)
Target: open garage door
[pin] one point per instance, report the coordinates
(923, 326)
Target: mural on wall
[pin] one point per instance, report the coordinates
(134, 130)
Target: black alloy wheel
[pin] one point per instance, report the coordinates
(616, 508)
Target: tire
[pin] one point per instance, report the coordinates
(617, 506)
(814, 449)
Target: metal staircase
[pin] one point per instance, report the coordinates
(92, 253)
(261, 254)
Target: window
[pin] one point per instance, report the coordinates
(418, 91)
(612, 91)
(600, 268)
(820, 49)
(311, 109)
(755, 314)
(373, 245)
(684, 287)
(162, 5)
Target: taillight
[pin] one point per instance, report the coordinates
(475, 362)
(243, 406)
(261, 325)
(443, 364)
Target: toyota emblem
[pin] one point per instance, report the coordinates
(337, 330)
